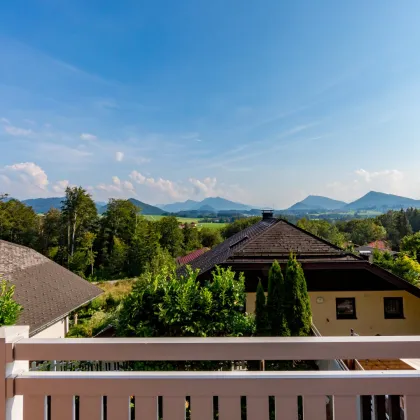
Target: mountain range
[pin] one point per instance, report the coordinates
(208, 204)
(145, 208)
(313, 203)
(373, 200)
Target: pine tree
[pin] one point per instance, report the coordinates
(261, 317)
(275, 302)
(298, 313)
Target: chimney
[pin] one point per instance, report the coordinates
(267, 214)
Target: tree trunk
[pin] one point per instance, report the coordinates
(73, 234)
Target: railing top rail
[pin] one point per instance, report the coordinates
(270, 348)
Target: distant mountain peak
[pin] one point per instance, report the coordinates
(317, 202)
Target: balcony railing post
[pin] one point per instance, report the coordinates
(11, 408)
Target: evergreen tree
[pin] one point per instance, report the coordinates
(261, 316)
(275, 302)
(297, 304)
(402, 224)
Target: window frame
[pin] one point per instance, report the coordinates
(401, 314)
(340, 317)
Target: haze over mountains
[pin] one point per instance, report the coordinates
(313, 203)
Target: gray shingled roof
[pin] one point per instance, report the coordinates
(223, 251)
(46, 290)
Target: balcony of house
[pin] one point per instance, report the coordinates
(203, 395)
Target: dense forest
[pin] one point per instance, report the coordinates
(120, 243)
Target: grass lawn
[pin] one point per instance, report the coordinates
(190, 220)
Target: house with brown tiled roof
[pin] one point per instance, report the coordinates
(47, 291)
(346, 291)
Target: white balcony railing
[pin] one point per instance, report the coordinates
(26, 395)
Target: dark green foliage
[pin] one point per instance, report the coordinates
(402, 266)
(297, 304)
(410, 244)
(171, 236)
(191, 238)
(210, 237)
(18, 223)
(324, 230)
(362, 231)
(9, 308)
(276, 302)
(261, 316)
(164, 306)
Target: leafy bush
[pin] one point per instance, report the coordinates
(9, 308)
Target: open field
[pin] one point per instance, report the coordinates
(190, 220)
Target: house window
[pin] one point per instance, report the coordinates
(393, 308)
(346, 308)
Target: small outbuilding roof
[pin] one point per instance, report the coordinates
(46, 290)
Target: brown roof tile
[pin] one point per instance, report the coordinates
(282, 238)
(223, 251)
(46, 290)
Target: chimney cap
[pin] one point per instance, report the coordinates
(267, 214)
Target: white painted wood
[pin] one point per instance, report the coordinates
(345, 408)
(34, 408)
(11, 408)
(255, 384)
(174, 408)
(240, 348)
(286, 408)
(146, 408)
(412, 407)
(90, 408)
(229, 408)
(118, 408)
(257, 408)
(315, 407)
(202, 408)
(62, 407)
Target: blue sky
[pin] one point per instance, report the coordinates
(261, 102)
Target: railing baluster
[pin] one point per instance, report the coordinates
(286, 408)
(411, 407)
(62, 407)
(345, 408)
(257, 408)
(229, 408)
(145, 408)
(173, 408)
(33, 407)
(118, 408)
(90, 408)
(315, 408)
(202, 408)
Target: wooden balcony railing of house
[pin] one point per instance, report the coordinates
(26, 395)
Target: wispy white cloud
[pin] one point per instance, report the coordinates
(60, 186)
(88, 137)
(119, 156)
(4, 121)
(17, 131)
(168, 187)
(361, 181)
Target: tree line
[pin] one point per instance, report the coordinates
(120, 243)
